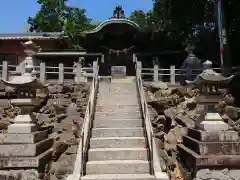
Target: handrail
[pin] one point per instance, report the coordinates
(154, 159)
(86, 127)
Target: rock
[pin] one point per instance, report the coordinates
(170, 137)
(4, 125)
(237, 122)
(171, 112)
(159, 85)
(173, 175)
(232, 112)
(191, 103)
(229, 99)
(158, 94)
(220, 107)
(150, 96)
(179, 132)
(54, 89)
(160, 135)
(72, 150)
(159, 143)
(170, 147)
(53, 177)
(9, 90)
(185, 120)
(63, 166)
(160, 104)
(163, 164)
(160, 119)
(166, 92)
(163, 154)
(171, 163)
(72, 109)
(58, 149)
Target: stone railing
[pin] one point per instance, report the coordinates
(86, 128)
(58, 73)
(171, 75)
(154, 158)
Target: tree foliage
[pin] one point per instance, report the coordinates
(176, 20)
(56, 16)
(141, 18)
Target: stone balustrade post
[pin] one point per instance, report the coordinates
(61, 73)
(102, 58)
(134, 58)
(155, 70)
(42, 72)
(95, 64)
(5, 70)
(172, 74)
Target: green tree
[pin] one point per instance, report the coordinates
(56, 16)
(179, 19)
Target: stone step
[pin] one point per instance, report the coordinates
(102, 154)
(118, 167)
(117, 123)
(119, 98)
(118, 177)
(117, 132)
(117, 110)
(118, 142)
(118, 107)
(119, 90)
(117, 113)
(117, 102)
(129, 115)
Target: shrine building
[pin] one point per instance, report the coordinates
(115, 42)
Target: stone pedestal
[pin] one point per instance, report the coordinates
(80, 79)
(23, 146)
(211, 146)
(212, 123)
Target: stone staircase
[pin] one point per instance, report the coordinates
(118, 148)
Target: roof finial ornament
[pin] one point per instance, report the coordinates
(118, 13)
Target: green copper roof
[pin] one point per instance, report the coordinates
(114, 21)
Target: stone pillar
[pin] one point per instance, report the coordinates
(102, 58)
(5, 70)
(61, 74)
(42, 72)
(172, 74)
(155, 69)
(134, 58)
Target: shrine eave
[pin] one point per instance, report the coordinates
(67, 53)
(114, 21)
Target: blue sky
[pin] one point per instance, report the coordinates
(14, 13)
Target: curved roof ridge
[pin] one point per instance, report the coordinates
(114, 21)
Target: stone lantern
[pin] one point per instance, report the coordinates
(30, 48)
(25, 145)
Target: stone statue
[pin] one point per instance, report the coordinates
(191, 65)
(80, 75)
